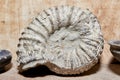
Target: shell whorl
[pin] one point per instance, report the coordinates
(66, 39)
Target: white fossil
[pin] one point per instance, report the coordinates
(66, 39)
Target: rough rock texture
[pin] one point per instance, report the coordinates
(66, 39)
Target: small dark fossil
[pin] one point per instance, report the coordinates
(5, 58)
(115, 48)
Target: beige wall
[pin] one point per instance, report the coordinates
(17, 14)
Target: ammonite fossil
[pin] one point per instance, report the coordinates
(66, 39)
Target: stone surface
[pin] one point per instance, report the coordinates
(67, 39)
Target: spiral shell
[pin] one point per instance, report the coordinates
(66, 39)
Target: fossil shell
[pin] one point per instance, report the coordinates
(67, 39)
(5, 58)
(115, 48)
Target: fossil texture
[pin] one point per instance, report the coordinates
(67, 39)
(115, 48)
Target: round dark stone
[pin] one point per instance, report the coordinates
(5, 58)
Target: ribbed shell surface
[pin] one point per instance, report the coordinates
(66, 39)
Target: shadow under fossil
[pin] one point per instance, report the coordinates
(6, 68)
(114, 66)
(42, 71)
